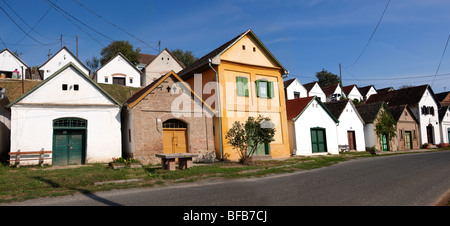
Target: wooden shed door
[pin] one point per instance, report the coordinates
(318, 140)
(119, 81)
(174, 141)
(351, 140)
(68, 147)
(408, 140)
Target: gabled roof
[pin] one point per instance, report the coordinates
(337, 107)
(203, 62)
(349, 88)
(76, 58)
(141, 94)
(70, 64)
(369, 112)
(295, 107)
(410, 95)
(329, 90)
(397, 111)
(364, 90)
(309, 86)
(120, 54)
(288, 82)
(442, 96)
(148, 58)
(442, 111)
(18, 58)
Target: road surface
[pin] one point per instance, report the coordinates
(419, 179)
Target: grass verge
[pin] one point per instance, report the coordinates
(19, 184)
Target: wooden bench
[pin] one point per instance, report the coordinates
(343, 148)
(18, 154)
(184, 160)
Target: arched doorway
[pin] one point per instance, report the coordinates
(175, 136)
(69, 141)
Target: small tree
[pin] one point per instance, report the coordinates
(123, 47)
(246, 137)
(93, 63)
(386, 125)
(187, 57)
(326, 78)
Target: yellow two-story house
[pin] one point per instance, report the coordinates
(250, 83)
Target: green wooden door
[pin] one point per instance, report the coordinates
(384, 144)
(68, 147)
(318, 140)
(408, 140)
(263, 149)
(60, 152)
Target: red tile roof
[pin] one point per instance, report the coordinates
(295, 106)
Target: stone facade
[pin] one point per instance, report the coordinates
(144, 130)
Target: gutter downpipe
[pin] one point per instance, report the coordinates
(218, 109)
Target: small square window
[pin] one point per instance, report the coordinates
(254, 49)
(106, 80)
(131, 80)
(243, 47)
(76, 87)
(64, 86)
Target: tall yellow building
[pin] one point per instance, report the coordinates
(250, 83)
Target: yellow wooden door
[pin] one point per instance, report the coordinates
(167, 141)
(174, 141)
(179, 141)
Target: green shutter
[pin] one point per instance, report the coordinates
(257, 88)
(242, 86)
(239, 86)
(270, 91)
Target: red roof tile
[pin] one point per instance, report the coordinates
(295, 106)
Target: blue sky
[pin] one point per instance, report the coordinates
(305, 36)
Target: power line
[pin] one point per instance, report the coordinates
(114, 25)
(80, 21)
(32, 28)
(76, 25)
(445, 48)
(27, 33)
(373, 33)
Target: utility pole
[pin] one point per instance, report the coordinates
(49, 54)
(159, 46)
(340, 74)
(77, 46)
(61, 41)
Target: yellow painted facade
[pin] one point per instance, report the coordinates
(248, 59)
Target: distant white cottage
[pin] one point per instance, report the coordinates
(350, 129)
(352, 92)
(59, 60)
(155, 66)
(71, 116)
(119, 70)
(314, 89)
(294, 89)
(11, 66)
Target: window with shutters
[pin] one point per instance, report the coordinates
(264, 89)
(242, 86)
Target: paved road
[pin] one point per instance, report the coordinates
(402, 180)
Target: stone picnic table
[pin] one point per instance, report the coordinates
(184, 160)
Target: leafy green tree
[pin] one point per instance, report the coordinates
(246, 137)
(123, 47)
(326, 78)
(187, 57)
(386, 125)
